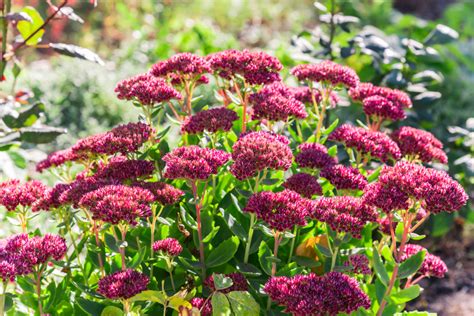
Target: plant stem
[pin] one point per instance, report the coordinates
(335, 252)
(97, 242)
(199, 228)
(126, 307)
(277, 242)
(2, 298)
(123, 231)
(324, 104)
(169, 263)
(38, 290)
(6, 10)
(296, 231)
(249, 238)
(152, 238)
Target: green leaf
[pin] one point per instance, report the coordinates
(331, 127)
(406, 295)
(380, 268)
(220, 305)
(223, 253)
(380, 290)
(40, 135)
(306, 262)
(24, 118)
(411, 265)
(111, 311)
(221, 282)
(324, 251)
(243, 304)
(150, 296)
(264, 253)
(374, 175)
(234, 225)
(27, 28)
(91, 307)
(18, 159)
(332, 151)
(76, 52)
(442, 34)
(248, 269)
(415, 313)
(176, 302)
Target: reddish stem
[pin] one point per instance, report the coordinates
(199, 228)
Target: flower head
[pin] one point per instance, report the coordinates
(120, 168)
(13, 193)
(169, 246)
(57, 158)
(399, 187)
(432, 265)
(379, 106)
(310, 294)
(181, 64)
(344, 177)
(203, 305)
(326, 71)
(146, 89)
(121, 139)
(239, 283)
(304, 184)
(116, 203)
(256, 151)
(73, 192)
(420, 143)
(314, 156)
(51, 198)
(213, 120)
(344, 213)
(281, 211)
(305, 95)
(255, 67)
(376, 144)
(275, 102)
(123, 284)
(365, 90)
(359, 263)
(163, 193)
(194, 162)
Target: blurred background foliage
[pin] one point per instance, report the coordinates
(396, 43)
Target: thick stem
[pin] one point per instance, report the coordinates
(2, 298)
(97, 242)
(38, 292)
(293, 241)
(324, 104)
(199, 228)
(152, 238)
(335, 252)
(249, 238)
(126, 307)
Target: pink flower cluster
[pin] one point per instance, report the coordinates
(213, 120)
(419, 143)
(163, 193)
(254, 67)
(120, 168)
(74, 191)
(399, 187)
(182, 64)
(239, 283)
(344, 213)
(365, 90)
(344, 177)
(303, 94)
(123, 284)
(13, 193)
(431, 266)
(281, 211)
(376, 144)
(256, 151)
(168, 246)
(19, 254)
(359, 264)
(275, 102)
(116, 203)
(311, 294)
(146, 89)
(121, 139)
(203, 305)
(51, 198)
(381, 107)
(57, 158)
(304, 184)
(314, 156)
(327, 71)
(194, 162)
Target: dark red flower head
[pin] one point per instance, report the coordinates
(314, 156)
(379, 106)
(181, 64)
(163, 193)
(194, 162)
(311, 294)
(365, 90)
(359, 264)
(120, 168)
(57, 158)
(304, 184)
(431, 266)
(275, 102)
(344, 177)
(281, 211)
(213, 120)
(256, 151)
(147, 90)
(123, 284)
(344, 213)
(375, 144)
(13, 193)
(168, 246)
(327, 71)
(419, 143)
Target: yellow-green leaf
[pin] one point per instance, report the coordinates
(26, 28)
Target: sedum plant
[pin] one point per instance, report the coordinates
(255, 205)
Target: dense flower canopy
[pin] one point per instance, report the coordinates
(366, 89)
(314, 156)
(212, 120)
(13, 193)
(344, 177)
(182, 64)
(304, 184)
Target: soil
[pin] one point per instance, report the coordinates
(454, 294)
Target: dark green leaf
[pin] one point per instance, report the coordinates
(411, 265)
(405, 295)
(220, 305)
(221, 282)
(380, 268)
(243, 304)
(263, 253)
(223, 252)
(442, 34)
(40, 135)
